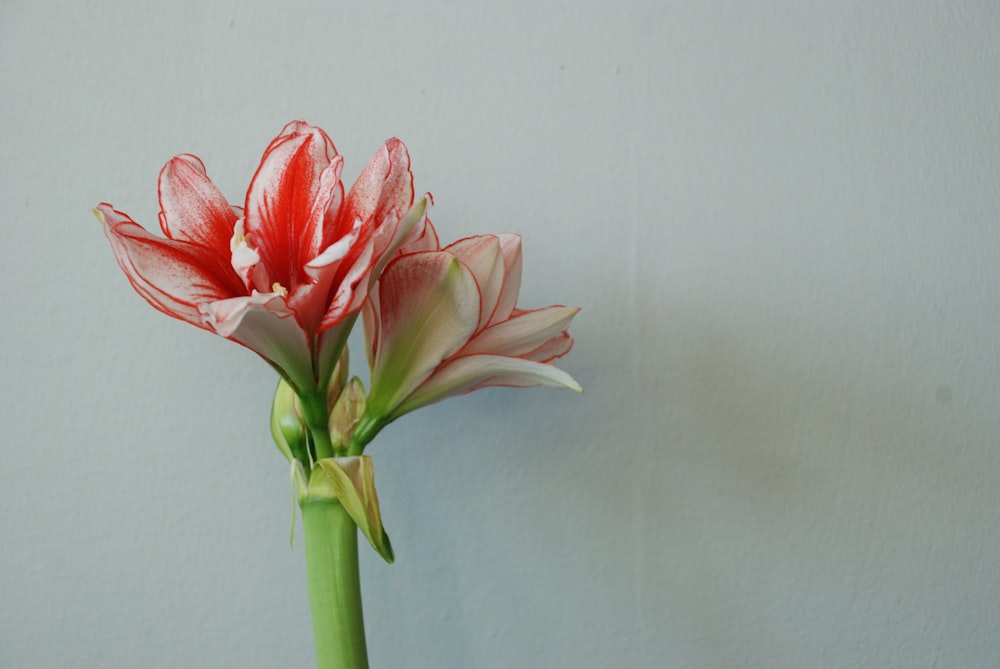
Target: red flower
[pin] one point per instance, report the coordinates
(285, 274)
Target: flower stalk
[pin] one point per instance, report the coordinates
(334, 585)
(317, 417)
(338, 499)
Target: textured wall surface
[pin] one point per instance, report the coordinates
(782, 221)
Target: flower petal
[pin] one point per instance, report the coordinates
(349, 293)
(511, 247)
(554, 348)
(424, 236)
(263, 323)
(523, 333)
(415, 219)
(327, 274)
(191, 207)
(173, 276)
(483, 256)
(291, 200)
(429, 306)
(468, 372)
(383, 192)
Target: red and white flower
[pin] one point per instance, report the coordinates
(284, 274)
(444, 321)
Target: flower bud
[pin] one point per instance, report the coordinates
(287, 427)
(346, 413)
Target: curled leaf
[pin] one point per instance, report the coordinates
(351, 481)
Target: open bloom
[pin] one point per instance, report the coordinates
(284, 274)
(444, 321)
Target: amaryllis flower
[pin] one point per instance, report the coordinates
(444, 321)
(285, 274)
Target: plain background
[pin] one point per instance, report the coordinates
(780, 219)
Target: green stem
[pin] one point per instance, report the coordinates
(364, 432)
(334, 585)
(317, 417)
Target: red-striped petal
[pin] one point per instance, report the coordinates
(292, 197)
(383, 193)
(173, 276)
(192, 209)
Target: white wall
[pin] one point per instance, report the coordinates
(781, 219)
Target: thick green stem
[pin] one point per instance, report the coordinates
(334, 585)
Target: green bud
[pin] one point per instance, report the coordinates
(287, 426)
(346, 413)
